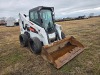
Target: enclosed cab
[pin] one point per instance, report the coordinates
(44, 17)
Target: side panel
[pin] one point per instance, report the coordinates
(21, 20)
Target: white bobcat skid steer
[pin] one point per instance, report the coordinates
(42, 35)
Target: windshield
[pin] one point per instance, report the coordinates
(46, 16)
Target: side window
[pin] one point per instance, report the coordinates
(31, 16)
(34, 17)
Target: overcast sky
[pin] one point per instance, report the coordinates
(63, 8)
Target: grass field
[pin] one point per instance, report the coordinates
(16, 60)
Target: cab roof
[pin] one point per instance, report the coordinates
(41, 7)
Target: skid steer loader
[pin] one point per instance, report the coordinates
(42, 35)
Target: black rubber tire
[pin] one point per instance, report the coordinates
(27, 34)
(23, 38)
(35, 45)
(62, 35)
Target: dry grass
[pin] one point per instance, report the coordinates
(15, 60)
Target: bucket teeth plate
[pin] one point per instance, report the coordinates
(60, 52)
